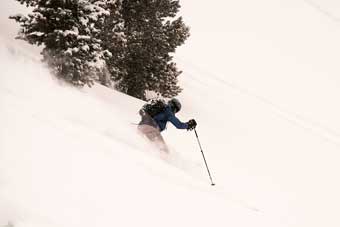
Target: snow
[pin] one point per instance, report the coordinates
(73, 32)
(37, 33)
(85, 47)
(85, 166)
(83, 37)
(84, 20)
(20, 15)
(72, 157)
(96, 11)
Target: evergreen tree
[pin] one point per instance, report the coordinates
(114, 42)
(153, 32)
(69, 31)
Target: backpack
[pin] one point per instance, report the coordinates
(153, 107)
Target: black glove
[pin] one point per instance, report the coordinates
(192, 124)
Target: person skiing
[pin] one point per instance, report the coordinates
(153, 122)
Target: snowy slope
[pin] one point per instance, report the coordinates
(71, 157)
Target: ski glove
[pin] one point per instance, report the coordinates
(191, 124)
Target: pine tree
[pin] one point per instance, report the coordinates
(114, 42)
(69, 31)
(153, 32)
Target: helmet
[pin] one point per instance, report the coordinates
(175, 105)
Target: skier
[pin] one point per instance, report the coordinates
(154, 122)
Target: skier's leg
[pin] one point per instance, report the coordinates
(154, 135)
(161, 143)
(149, 131)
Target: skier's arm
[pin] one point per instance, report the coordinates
(177, 123)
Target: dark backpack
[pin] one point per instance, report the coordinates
(153, 107)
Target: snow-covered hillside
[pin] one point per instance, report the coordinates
(72, 157)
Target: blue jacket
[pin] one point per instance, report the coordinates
(167, 115)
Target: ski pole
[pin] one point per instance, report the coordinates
(205, 161)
